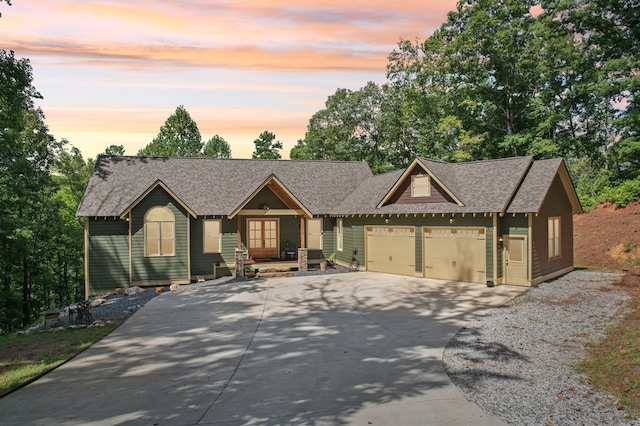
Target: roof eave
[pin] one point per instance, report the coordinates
(407, 173)
(270, 178)
(151, 188)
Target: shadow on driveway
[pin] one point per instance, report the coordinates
(357, 348)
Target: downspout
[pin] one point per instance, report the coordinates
(496, 251)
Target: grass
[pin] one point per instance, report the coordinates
(613, 363)
(24, 357)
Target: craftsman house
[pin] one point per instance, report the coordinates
(157, 221)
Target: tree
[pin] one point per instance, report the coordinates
(29, 218)
(266, 148)
(217, 147)
(178, 137)
(114, 150)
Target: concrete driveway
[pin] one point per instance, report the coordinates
(360, 348)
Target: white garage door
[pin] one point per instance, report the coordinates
(391, 249)
(458, 254)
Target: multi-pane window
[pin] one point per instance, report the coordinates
(212, 235)
(340, 234)
(420, 186)
(554, 237)
(159, 232)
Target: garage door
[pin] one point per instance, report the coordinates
(391, 249)
(455, 254)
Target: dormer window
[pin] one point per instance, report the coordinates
(420, 186)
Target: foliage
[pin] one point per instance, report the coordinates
(622, 195)
(217, 147)
(500, 78)
(178, 137)
(32, 222)
(114, 150)
(266, 148)
(25, 357)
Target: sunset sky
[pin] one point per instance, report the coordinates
(112, 71)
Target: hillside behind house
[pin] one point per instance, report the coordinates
(608, 237)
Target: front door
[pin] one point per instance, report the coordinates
(262, 238)
(515, 260)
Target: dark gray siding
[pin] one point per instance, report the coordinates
(108, 254)
(555, 204)
(161, 269)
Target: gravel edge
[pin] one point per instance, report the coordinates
(516, 362)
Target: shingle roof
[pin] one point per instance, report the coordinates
(482, 186)
(219, 186)
(216, 186)
(536, 184)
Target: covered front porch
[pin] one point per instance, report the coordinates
(274, 230)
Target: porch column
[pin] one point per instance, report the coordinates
(303, 242)
(239, 229)
(239, 267)
(303, 260)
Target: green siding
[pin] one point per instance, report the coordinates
(203, 263)
(108, 254)
(161, 268)
(354, 235)
(290, 233)
(328, 237)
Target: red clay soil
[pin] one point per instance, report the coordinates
(608, 238)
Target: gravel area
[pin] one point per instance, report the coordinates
(516, 362)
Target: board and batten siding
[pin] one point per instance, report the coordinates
(159, 270)
(556, 204)
(107, 251)
(403, 194)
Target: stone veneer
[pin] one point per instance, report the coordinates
(303, 259)
(239, 258)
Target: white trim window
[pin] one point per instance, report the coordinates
(314, 234)
(554, 237)
(211, 236)
(420, 186)
(340, 234)
(159, 232)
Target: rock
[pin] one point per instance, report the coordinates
(134, 290)
(174, 287)
(97, 302)
(118, 290)
(160, 289)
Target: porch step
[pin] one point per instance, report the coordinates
(274, 272)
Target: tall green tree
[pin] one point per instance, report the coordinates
(28, 215)
(72, 176)
(266, 148)
(178, 137)
(217, 147)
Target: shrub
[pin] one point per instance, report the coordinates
(622, 195)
